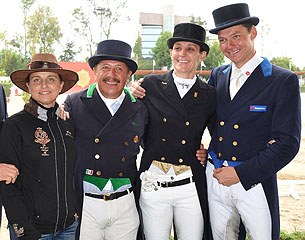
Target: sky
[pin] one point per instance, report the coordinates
(283, 38)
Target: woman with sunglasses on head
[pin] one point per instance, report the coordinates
(41, 202)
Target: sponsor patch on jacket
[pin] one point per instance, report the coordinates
(258, 108)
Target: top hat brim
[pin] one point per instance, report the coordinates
(253, 20)
(203, 46)
(132, 65)
(20, 77)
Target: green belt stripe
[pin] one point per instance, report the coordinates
(101, 182)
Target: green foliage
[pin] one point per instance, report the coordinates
(143, 63)
(43, 30)
(296, 235)
(10, 61)
(26, 97)
(6, 86)
(284, 62)
(82, 27)
(68, 54)
(137, 49)
(215, 57)
(161, 51)
(199, 21)
(110, 12)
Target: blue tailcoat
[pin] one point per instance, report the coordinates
(267, 106)
(107, 145)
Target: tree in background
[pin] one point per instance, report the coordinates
(68, 53)
(284, 62)
(143, 63)
(82, 26)
(10, 61)
(199, 21)
(25, 6)
(161, 51)
(109, 12)
(43, 31)
(10, 58)
(215, 57)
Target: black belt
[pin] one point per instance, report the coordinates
(176, 183)
(110, 196)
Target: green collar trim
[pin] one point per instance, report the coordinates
(132, 98)
(93, 86)
(90, 90)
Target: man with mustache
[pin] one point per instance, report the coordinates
(108, 141)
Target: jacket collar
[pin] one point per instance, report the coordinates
(40, 112)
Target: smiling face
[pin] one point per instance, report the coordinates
(44, 87)
(111, 77)
(185, 57)
(237, 43)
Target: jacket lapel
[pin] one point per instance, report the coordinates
(255, 84)
(97, 107)
(126, 111)
(171, 93)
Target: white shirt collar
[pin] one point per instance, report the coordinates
(183, 84)
(249, 66)
(110, 101)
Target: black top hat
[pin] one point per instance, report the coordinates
(232, 15)
(189, 32)
(113, 50)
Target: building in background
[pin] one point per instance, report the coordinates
(153, 24)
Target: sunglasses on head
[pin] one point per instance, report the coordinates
(42, 65)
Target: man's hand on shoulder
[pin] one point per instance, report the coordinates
(8, 173)
(136, 89)
(64, 115)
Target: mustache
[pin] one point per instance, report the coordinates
(112, 79)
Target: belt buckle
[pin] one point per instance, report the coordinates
(166, 184)
(105, 196)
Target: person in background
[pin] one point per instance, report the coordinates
(41, 203)
(180, 106)
(257, 131)
(3, 106)
(8, 172)
(110, 125)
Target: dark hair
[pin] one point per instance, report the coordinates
(248, 26)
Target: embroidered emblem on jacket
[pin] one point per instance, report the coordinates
(42, 138)
(18, 230)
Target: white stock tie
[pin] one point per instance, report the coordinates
(115, 106)
(235, 83)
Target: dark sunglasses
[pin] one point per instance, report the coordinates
(42, 65)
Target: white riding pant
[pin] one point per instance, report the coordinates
(230, 204)
(181, 204)
(116, 219)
